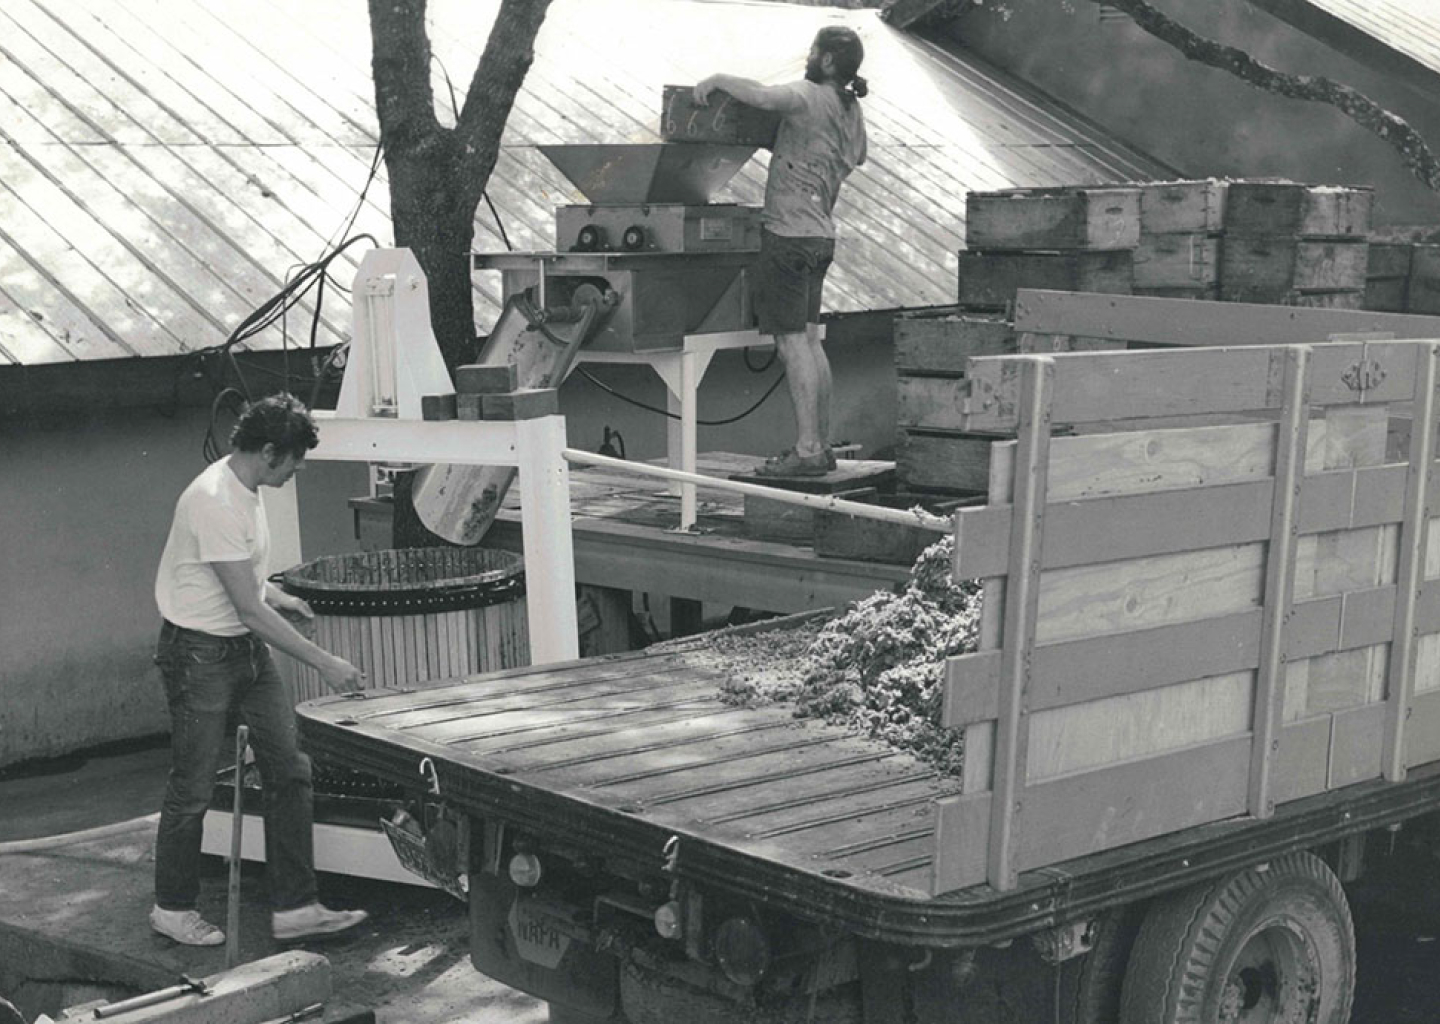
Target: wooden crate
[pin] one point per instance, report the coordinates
(724, 119)
(867, 540)
(1298, 211)
(1177, 260)
(1171, 207)
(1053, 218)
(1387, 276)
(1423, 294)
(947, 462)
(1265, 269)
(768, 519)
(989, 279)
(943, 343)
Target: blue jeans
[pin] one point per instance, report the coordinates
(210, 683)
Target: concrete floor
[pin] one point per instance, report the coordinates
(72, 917)
(76, 914)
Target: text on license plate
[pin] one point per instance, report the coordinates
(536, 937)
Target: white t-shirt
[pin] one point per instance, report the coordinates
(217, 519)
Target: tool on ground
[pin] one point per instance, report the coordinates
(185, 987)
(313, 1010)
(237, 820)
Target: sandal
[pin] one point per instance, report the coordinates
(788, 463)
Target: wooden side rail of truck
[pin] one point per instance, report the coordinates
(1209, 667)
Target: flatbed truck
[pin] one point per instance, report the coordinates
(1208, 676)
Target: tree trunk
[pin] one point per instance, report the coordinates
(437, 174)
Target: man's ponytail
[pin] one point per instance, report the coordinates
(844, 46)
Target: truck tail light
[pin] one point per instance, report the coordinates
(525, 870)
(667, 920)
(742, 950)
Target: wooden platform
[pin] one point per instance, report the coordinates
(626, 537)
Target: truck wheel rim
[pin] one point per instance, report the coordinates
(1274, 979)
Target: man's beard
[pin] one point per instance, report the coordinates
(814, 72)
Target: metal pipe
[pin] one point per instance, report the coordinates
(899, 517)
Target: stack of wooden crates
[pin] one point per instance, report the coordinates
(1156, 238)
(1296, 245)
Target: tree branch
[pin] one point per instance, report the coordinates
(509, 52)
(400, 65)
(1417, 156)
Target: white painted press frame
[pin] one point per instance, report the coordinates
(534, 447)
(682, 370)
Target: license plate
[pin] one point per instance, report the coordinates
(537, 939)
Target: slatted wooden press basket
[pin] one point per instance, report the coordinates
(412, 617)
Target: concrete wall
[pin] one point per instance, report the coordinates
(1204, 121)
(85, 504)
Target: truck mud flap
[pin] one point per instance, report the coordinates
(525, 944)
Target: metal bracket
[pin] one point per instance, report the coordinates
(1363, 375)
(1056, 945)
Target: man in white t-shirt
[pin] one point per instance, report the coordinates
(821, 139)
(220, 616)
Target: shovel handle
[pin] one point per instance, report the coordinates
(237, 819)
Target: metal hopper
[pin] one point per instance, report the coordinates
(638, 174)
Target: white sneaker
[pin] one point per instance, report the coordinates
(186, 927)
(311, 921)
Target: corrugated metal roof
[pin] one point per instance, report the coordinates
(165, 164)
(1411, 27)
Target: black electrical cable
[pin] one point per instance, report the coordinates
(499, 224)
(210, 447)
(745, 354)
(675, 416)
(455, 110)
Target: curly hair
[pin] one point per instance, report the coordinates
(280, 420)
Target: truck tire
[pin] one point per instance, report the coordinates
(1090, 985)
(1272, 943)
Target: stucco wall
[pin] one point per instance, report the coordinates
(1201, 120)
(85, 503)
